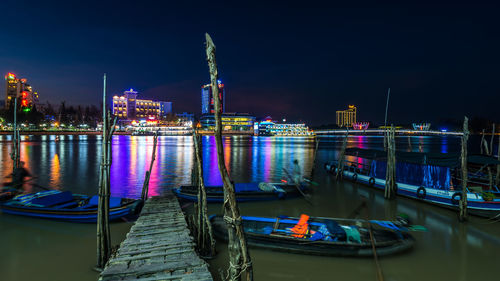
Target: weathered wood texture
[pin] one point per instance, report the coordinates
(158, 247)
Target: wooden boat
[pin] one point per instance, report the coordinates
(244, 192)
(429, 177)
(347, 237)
(65, 206)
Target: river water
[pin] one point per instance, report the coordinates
(47, 250)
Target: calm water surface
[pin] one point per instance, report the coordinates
(47, 250)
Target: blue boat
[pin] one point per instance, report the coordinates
(66, 206)
(323, 236)
(244, 192)
(429, 177)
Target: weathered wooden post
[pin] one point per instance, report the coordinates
(497, 178)
(390, 175)
(315, 154)
(239, 257)
(14, 155)
(491, 140)
(145, 186)
(463, 198)
(481, 143)
(205, 227)
(385, 120)
(340, 168)
(490, 175)
(103, 232)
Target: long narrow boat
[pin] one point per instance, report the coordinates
(244, 192)
(65, 206)
(340, 237)
(429, 177)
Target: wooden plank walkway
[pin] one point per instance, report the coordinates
(158, 247)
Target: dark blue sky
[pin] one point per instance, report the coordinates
(299, 61)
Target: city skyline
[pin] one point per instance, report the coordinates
(302, 63)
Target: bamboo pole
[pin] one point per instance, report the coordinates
(340, 168)
(463, 199)
(490, 175)
(315, 155)
(145, 186)
(14, 155)
(103, 231)
(204, 223)
(390, 175)
(497, 178)
(239, 257)
(481, 143)
(491, 140)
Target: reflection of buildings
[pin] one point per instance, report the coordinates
(129, 107)
(269, 128)
(16, 87)
(360, 125)
(241, 122)
(345, 118)
(207, 99)
(421, 126)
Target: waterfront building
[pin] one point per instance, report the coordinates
(421, 126)
(345, 118)
(18, 87)
(360, 125)
(129, 107)
(185, 116)
(207, 99)
(241, 122)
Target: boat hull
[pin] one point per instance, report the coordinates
(476, 205)
(400, 241)
(215, 194)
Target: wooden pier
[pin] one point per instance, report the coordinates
(158, 247)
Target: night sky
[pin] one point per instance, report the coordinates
(295, 61)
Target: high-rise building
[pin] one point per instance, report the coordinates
(207, 99)
(345, 118)
(129, 107)
(16, 87)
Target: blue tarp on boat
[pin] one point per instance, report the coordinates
(420, 175)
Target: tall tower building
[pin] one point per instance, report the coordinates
(19, 88)
(345, 118)
(12, 89)
(207, 99)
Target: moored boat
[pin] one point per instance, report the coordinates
(244, 192)
(322, 236)
(66, 206)
(430, 177)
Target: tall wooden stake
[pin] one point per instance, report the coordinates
(490, 175)
(463, 199)
(497, 178)
(390, 176)
(204, 225)
(481, 143)
(340, 168)
(491, 141)
(103, 232)
(385, 120)
(15, 155)
(239, 257)
(145, 186)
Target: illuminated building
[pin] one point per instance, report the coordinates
(129, 107)
(360, 125)
(242, 122)
(345, 118)
(269, 128)
(421, 126)
(207, 99)
(16, 87)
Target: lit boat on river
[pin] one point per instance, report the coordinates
(429, 177)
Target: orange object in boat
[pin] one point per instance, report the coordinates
(301, 228)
